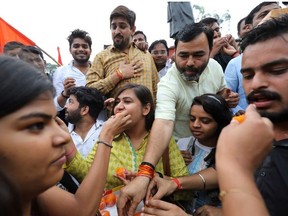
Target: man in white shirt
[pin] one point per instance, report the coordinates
(82, 110)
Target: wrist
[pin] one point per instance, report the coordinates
(235, 54)
(119, 74)
(63, 95)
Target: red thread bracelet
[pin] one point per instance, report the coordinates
(179, 187)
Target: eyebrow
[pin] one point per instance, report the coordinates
(267, 65)
(36, 115)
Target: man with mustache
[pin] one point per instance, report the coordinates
(265, 79)
(122, 62)
(193, 74)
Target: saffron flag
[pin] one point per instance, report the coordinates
(59, 56)
(9, 33)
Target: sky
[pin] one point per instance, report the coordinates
(49, 23)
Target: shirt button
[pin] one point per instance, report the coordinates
(263, 174)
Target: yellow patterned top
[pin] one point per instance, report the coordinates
(124, 155)
(107, 62)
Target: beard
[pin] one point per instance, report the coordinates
(82, 60)
(184, 72)
(120, 44)
(275, 117)
(73, 117)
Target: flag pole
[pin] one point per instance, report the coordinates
(48, 55)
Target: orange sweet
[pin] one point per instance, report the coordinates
(105, 213)
(110, 199)
(120, 172)
(137, 214)
(102, 204)
(240, 118)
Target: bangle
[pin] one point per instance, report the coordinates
(235, 53)
(105, 143)
(148, 164)
(64, 96)
(203, 180)
(119, 74)
(223, 193)
(160, 174)
(145, 170)
(70, 153)
(179, 187)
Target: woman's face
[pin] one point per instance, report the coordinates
(127, 100)
(31, 146)
(202, 124)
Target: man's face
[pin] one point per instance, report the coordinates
(73, 111)
(121, 33)
(35, 60)
(192, 57)
(80, 50)
(262, 13)
(265, 77)
(138, 38)
(159, 54)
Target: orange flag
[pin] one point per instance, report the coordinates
(59, 56)
(9, 33)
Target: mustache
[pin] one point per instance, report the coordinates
(194, 69)
(260, 93)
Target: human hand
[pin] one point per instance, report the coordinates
(232, 99)
(207, 210)
(108, 104)
(131, 195)
(240, 112)
(163, 187)
(218, 44)
(162, 208)
(187, 155)
(231, 41)
(245, 144)
(142, 45)
(116, 124)
(127, 177)
(69, 82)
(131, 70)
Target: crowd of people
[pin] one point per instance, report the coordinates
(168, 121)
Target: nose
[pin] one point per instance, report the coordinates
(119, 107)
(191, 61)
(60, 136)
(259, 81)
(196, 123)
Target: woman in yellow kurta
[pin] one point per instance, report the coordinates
(129, 147)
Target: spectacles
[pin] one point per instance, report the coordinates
(160, 52)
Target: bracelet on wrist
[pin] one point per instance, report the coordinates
(203, 180)
(104, 143)
(179, 186)
(119, 74)
(64, 96)
(148, 164)
(145, 170)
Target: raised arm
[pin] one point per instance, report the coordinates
(58, 202)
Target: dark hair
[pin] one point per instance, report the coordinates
(208, 21)
(77, 33)
(239, 24)
(10, 203)
(88, 97)
(217, 107)
(124, 12)
(145, 97)
(152, 46)
(191, 31)
(12, 45)
(250, 16)
(140, 32)
(30, 49)
(20, 83)
(269, 29)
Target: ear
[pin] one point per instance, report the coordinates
(146, 109)
(133, 30)
(84, 110)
